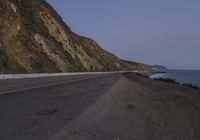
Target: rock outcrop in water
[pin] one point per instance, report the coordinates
(33, 39)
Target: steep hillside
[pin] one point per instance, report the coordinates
(33, 39)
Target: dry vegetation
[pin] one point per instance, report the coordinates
(171, 80)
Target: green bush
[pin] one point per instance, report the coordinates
(169, 80)
(191, 85)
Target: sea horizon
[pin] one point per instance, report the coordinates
(181, 76)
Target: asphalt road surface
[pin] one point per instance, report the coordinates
(98, 107)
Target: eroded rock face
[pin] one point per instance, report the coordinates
(33, 38)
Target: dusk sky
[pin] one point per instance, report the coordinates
(165, 32)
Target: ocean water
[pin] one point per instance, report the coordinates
(182, 76)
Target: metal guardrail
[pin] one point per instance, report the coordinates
(37, 75)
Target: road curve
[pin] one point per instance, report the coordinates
(104, 107)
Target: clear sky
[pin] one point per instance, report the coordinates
(165, 32)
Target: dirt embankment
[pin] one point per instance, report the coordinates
(137, 108)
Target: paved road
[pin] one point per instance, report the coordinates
(98, 107)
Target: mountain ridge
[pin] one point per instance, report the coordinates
(35, 39)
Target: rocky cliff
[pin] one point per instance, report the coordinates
(34, 39)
